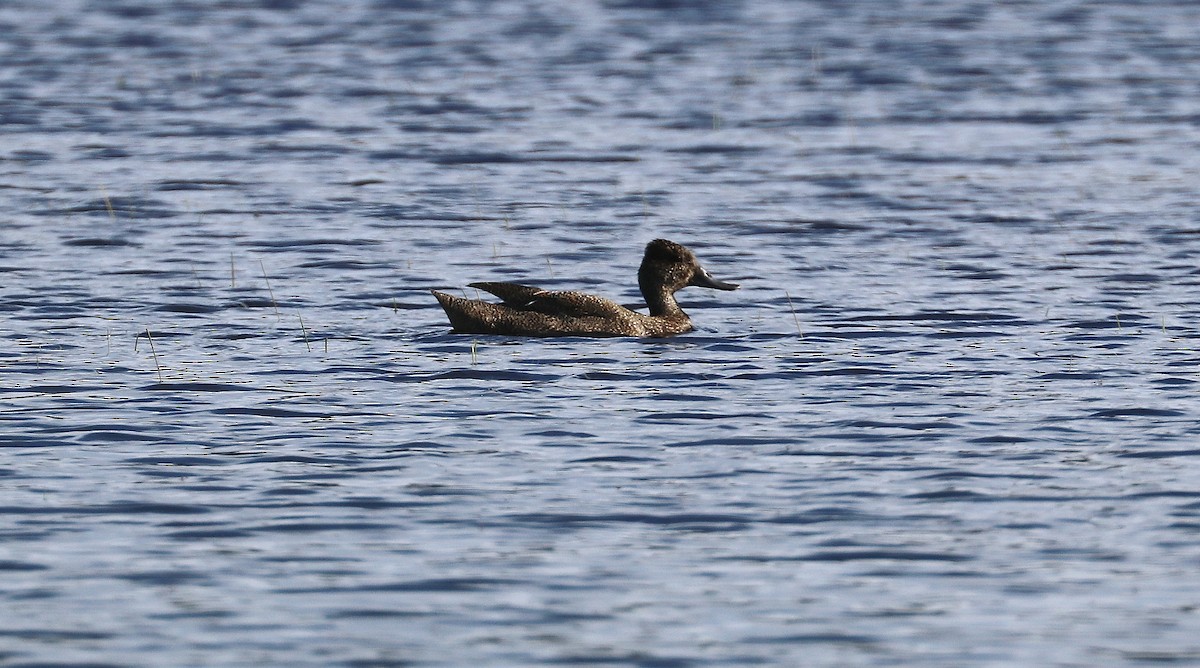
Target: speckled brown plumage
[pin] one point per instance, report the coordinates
(529, 311)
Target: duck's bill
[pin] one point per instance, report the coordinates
(703, 279)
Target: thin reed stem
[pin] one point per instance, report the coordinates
(305, 332)
(112, 213)
(153, 353)
(269, 290)
(795, 318)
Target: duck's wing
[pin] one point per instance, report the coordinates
(513, 294)
(576, 305)
(564, 303)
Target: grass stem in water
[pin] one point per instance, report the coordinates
(795, 318)
(269, 290)
(304, 331)
(153, 352)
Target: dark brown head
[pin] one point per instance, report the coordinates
(668, 267)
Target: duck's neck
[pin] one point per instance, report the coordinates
(661, 302)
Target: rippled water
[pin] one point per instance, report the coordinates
(949, 419)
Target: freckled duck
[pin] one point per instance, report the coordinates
(529, 311)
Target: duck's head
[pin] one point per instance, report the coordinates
(670, 266)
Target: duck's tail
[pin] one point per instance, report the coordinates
(466, 316)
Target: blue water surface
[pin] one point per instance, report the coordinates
(950, 419)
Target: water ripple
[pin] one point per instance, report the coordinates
(236, 427)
